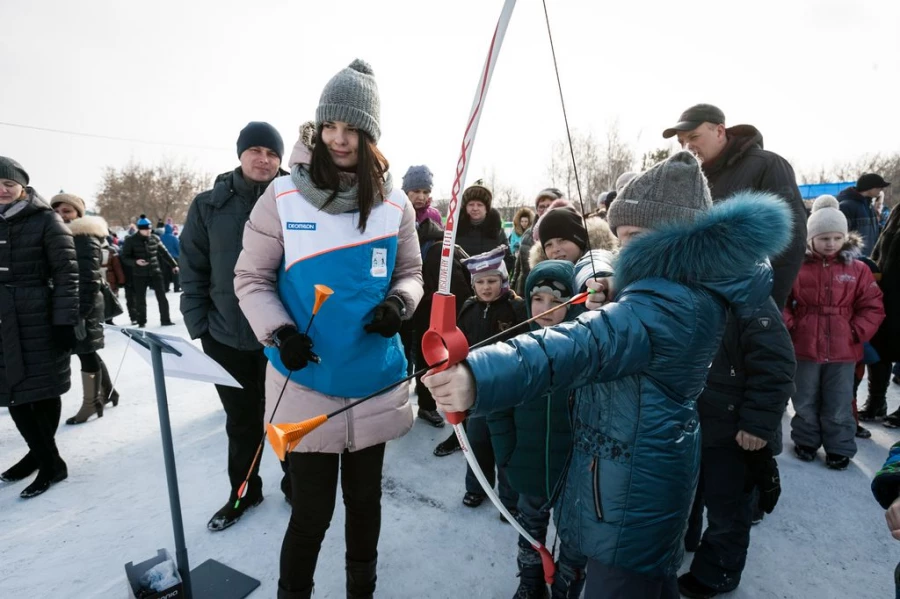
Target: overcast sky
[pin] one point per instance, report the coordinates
(819, 78)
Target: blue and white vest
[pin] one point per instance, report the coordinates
(328, 249)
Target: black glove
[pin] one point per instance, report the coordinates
(63, 337)
(387, 319)
(295, 348)
(762, 472)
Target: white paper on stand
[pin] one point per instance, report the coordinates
(192, 364)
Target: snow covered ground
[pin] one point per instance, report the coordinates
(826, 539)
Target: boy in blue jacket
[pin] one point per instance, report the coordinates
(637, 365)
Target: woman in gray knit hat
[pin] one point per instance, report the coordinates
(336, 220)
(38, 314)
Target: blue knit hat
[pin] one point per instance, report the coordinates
(144, 222)
(418, 177)
(551, 276)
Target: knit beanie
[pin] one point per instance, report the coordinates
(418, 177)
(489, 263)
(549, 192)
(479, 192)
(67, 198)
(826, 217)
(560, 223)
(556, 277)
(144, 222)
(557, 203)
(352, 97)
(624, 179)
(670, 191)
(12, 170)
(264, 135)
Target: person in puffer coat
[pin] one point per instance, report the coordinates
(480, 227)
(336, 220)
(637, 366)
(834, 307)
(532, 443)
(89, 233)
(522, 221)
(142, 253)
(38, 315)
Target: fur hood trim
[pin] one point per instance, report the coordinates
(725, 243)
(491, 222)
(94, 226)
(523, 211)
(850, 251)
(600, 237)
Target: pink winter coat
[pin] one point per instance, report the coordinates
(834, 307)
(381, 419)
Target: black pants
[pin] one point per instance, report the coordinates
(140, 298)
(244, 411)
(170, 277)
(37, 423)
(314, 479)
(720, 559)
(90, 362)
(129, 299)
(611, 582)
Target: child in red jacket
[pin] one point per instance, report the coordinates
(834, 307)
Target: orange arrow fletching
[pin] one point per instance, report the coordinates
(323, 292)
(285, 437)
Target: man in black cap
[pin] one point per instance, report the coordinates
(734, 160)
(210, 244)
(856, 204)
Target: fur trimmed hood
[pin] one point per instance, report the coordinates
(94, 226)
(720, 251)
(523, 211)
(600, 237)
(850, 251)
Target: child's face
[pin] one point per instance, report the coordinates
(487, 287)
(562, 249)
(543, 301)
(828, 244)
(419, 197)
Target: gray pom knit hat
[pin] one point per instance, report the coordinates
(672, 190)
(352, 97)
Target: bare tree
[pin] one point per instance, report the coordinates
(886, 165)
(599, 165)
(159, 192)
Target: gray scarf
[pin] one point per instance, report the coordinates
(346, 199)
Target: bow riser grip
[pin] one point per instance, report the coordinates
(443, 343)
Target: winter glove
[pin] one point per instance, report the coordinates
(294, 348)
(762, 472)
(64, 337)
(387, 319)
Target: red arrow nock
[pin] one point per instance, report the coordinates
(443, 343)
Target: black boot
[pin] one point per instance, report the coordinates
(361, 579)
(229, 514)
(875, 407)
(689, 586)
(22, 469)
(448, 446)
(568, 582)
(531, 577)
(108, 393)
(57, 472)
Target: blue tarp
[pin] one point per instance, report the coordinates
(814, 190)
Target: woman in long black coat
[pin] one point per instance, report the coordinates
(90, 235)
(38, 314)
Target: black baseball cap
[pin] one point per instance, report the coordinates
(871, 181)
(695, 116)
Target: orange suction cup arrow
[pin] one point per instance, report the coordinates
(323, 292)
(285, 437)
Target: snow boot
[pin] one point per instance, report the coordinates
(432, 417)
(91, 403)
(46, 477)
(473, 499)
(531, 576)
(806, 454)
(568, 582)
(837, 462)
(361, 579)
(307, 594)
(447, 447)
(108, 393)
(892, 420)
(229, 515)
(861, 431)
(22, 469)
(689, 586)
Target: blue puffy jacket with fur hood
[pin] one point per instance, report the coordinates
(639, 364)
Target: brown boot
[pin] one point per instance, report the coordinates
(92, 403)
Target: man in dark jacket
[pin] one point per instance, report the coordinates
(856, 204)
(210, 245)
(142, 253)
(750, 382)
(734, 160)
